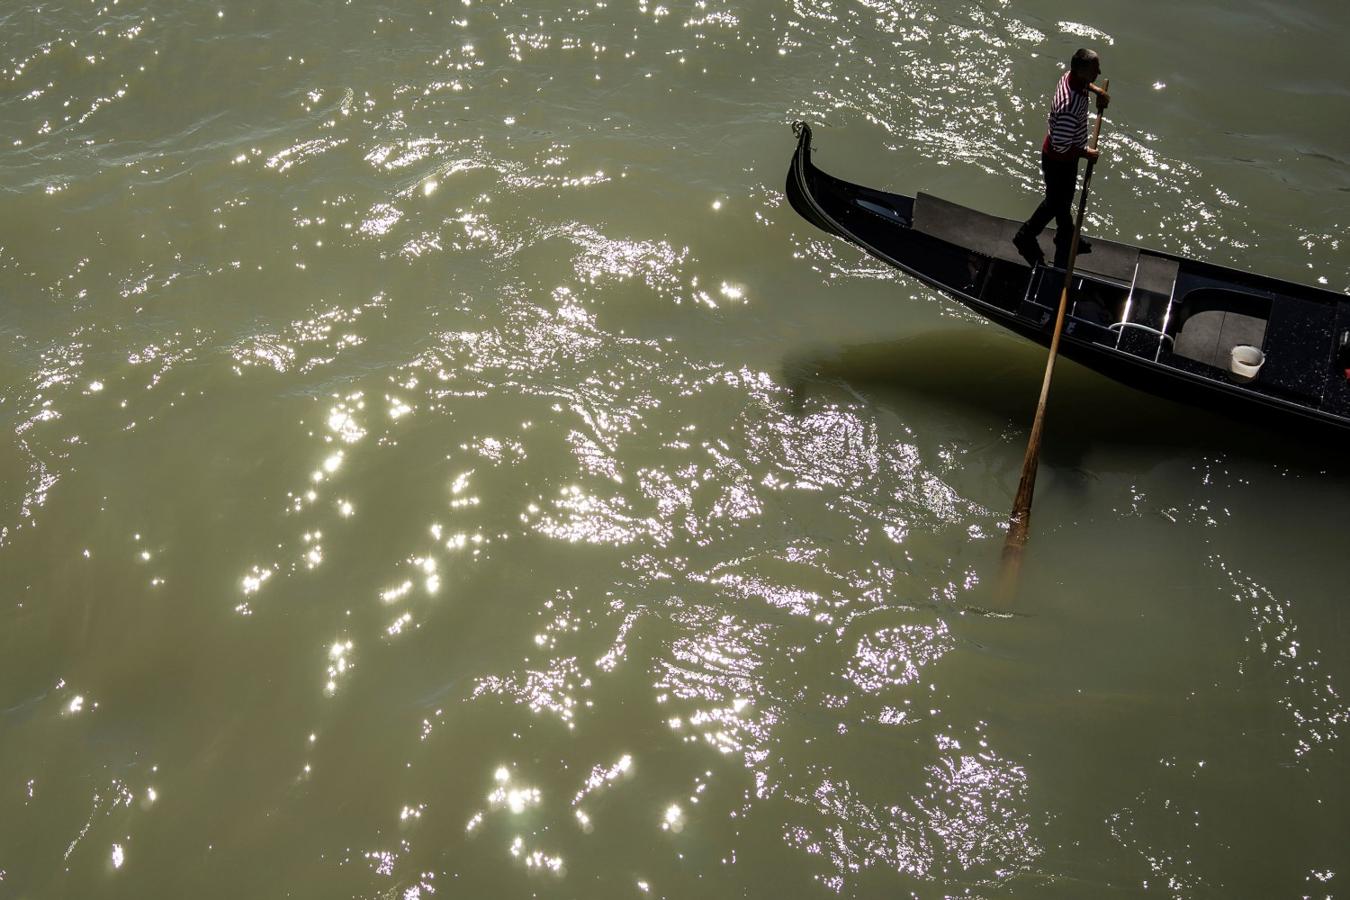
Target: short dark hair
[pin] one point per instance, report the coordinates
(1083, 58)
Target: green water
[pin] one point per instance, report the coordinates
(437, 462)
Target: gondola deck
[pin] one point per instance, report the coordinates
(1159, 322)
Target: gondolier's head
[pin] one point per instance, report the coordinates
(1085, 65)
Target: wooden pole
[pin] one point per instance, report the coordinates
(1019, 523)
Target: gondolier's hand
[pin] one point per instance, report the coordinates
(1091, 153)
(1103, 98)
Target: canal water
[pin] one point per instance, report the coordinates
(437, 462)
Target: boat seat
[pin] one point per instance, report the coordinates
(1140, 330)
(1209, 337)
(1296, 327)
(1212, 321)
(1156, 274)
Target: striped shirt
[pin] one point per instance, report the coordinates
(1067, 124)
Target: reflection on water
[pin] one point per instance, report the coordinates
(438, 462)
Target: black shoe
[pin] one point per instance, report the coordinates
(1029, 247)
(1084, 245)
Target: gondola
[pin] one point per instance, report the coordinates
(1154, 321)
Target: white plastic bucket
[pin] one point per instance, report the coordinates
(1246, 361)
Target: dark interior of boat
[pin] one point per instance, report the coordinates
(1182, 314)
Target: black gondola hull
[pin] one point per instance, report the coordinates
(1154, 321)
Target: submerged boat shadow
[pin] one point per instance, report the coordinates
(993, 379)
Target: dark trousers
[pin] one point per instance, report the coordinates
(1061, 178)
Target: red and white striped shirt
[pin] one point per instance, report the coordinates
(1067, 124)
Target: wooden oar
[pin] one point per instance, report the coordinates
(1019, 522)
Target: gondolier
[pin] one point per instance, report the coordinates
(1066, 141)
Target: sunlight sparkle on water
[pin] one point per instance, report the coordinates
(673, 820)
(340, 663)
(254, 580)
(535, 859)
(342, 419)
(396, 593)
(515, 799)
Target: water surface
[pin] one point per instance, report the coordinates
(438, 462)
